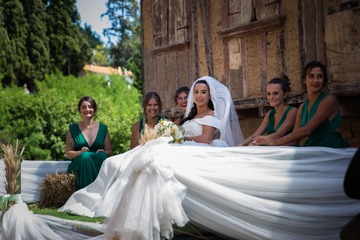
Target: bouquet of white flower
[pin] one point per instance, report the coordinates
(166, 128)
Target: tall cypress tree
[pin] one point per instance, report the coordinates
(17, 29)
(69, 50)
(6, 69)
(37, 42)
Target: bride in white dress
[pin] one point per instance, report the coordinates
(137, 190)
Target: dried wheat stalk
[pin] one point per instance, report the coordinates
(12, 159)
(148, 134)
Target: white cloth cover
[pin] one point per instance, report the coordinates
(33, 174)
(240, 192)
(18, 223)
(224, 110)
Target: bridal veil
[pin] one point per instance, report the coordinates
(223, 109)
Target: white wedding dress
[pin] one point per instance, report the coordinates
(194, 128)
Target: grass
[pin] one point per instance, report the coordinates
(64, 215)
(189, 231)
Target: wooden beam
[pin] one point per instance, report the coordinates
(258, 102)
(338, 89)
(345, 89)
(253, 27)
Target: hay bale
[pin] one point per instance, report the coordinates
(56, 189)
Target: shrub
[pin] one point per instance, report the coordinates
(40, 120)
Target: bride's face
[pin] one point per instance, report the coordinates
(201, 94)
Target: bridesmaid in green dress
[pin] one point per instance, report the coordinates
(281, 119)
(319, 117)
(87, 144)
(151, 116)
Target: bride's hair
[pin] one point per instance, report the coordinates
(193, 110)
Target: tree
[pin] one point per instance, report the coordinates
(69, 49)
(6, 50)
(91, 36)
(125, 27)
(99, 56)
(17, 28)
(98, 51)
(37, 42)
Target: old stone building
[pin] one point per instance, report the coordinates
(245, 43)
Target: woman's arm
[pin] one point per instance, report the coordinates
(206, 136)
(135, 135)
(107, 145)
(70, 152)
(261, 129)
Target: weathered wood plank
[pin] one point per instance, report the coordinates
(345, 89)
(182, 20)
(257, 102)
(157, 22)
(234, 13)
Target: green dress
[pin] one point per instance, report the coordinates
(86, 166)
(271, 125)
(325, 135)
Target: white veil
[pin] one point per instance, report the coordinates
(223, 109)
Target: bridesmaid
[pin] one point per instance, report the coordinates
(181, 98)
(151, 116)
(318, 118)
(281, 119)
(87, 144)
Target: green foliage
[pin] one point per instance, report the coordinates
(6, 70)
(69, 49)
(37, 42)
(99, 56)
(126, 27)
(91, 36)
(38, 37)
(40, 121)
(17, 29)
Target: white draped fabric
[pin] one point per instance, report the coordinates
(240, 192)
(33, 174)
(245, 192)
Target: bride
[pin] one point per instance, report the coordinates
(137, 190)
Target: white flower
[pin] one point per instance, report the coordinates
(166, 128)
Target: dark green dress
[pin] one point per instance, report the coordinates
(325, 135)
(86, 166)
(271, 125)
